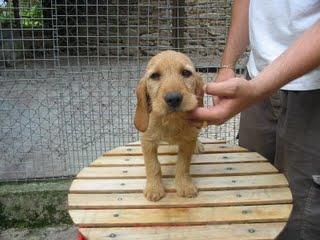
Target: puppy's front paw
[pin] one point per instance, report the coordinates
(185, 188)
(154, 192)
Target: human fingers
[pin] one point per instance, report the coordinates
(212, 115)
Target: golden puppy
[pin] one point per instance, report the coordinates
(169, 88)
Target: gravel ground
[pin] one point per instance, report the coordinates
(64, 232)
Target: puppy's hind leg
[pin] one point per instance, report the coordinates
(154, 189)
(184, 185)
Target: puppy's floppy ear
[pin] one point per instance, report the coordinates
(199, 89)
(141, 118)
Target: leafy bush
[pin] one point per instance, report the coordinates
(31, 17)
(6, 13)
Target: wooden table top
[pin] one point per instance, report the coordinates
(242, 197)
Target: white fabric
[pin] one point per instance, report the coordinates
(273, 27)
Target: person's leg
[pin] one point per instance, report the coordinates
(258, 127)
(298, 157)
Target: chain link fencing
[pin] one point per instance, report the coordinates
(68, 70)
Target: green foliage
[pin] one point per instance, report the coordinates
(6, 13)
(31, 17)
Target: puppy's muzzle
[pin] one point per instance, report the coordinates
(173, 99)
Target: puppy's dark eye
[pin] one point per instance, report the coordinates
(186, 73)
(155, 76)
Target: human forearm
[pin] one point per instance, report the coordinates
(238, 37)
(300, 58)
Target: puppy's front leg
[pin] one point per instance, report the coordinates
(154, 189)
(184, 185)
(199, 147)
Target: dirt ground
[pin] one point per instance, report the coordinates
(50, 233)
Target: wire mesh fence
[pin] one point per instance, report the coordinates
(68, 70)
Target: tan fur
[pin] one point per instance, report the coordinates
(159, 123)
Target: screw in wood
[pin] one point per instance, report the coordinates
(229, 168)
(116, 215)
(233, 181)
(239, 195)
(246, 211)
(119, 198)
(125, 171)
(251, 230)
(127, 159)
(122, 184)
(112, 235)
(225, 157)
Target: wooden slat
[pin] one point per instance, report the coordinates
(169, 171)
(204, 199)
(171, 159)
(180, 216)
(242, 197)
(252, 231)
(202, 140)
(173, 149)
(203, 183)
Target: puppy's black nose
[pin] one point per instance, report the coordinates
(173, 99)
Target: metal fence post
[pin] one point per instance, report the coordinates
(178, 24)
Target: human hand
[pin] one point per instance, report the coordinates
(234, 95)
(223, 74)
